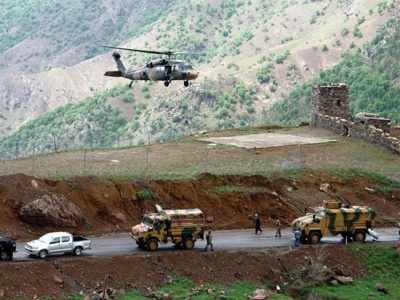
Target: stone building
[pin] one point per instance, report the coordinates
(331, 110)
(331, 100)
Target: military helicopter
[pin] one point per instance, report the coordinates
(160, 69)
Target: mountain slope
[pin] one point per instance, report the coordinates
(263, 49)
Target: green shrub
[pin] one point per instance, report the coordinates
(146, 195)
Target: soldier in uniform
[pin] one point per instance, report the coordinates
(278, 228)
(257, 223)
(209, 241)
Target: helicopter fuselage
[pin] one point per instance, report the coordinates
(156, 70)
(161, 73)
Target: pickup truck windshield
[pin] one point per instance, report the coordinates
(46, 238)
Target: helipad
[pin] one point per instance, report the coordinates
(266, 140)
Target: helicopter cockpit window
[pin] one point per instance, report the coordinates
(186, 67)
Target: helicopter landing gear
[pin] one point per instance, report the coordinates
(186, 83)
(130, 85)
(166, 83)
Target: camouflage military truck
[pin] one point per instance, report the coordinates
(181, 227)
(334, 218)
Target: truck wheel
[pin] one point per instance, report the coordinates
(314, 238)
(188, 243)
(43, 254)
(4, 255)
(359, 236)
(78, 251)
(152, 245)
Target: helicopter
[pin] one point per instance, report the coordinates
(160, 69)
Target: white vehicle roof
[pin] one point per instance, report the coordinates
(191, 212)
(58, 233)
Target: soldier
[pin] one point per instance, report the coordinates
(278, 228)
(297, 234)
(257, 223)
(209, 241)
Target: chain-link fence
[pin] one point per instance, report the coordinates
(187, 160)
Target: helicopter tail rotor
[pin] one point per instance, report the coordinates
(121, 68)
(120, 65)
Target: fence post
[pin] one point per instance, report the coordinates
(301, 157)
(252, 160)
(33, 158)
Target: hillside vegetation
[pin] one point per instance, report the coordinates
(261, 51)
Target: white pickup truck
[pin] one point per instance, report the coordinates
(57, 243)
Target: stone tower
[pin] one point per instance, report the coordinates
(332, 100)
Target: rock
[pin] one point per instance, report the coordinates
(324, 187)
(381, 288)
(258, 294)
(210, 219)
(371, 191)
(344, 279)
(58, 280)
(120, 217)
(334, 282)
(53, 210)
(34, 183)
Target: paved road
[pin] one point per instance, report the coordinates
(123, 244)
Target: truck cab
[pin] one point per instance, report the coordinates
(181, 227)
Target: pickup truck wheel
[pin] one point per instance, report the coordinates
(152, 245)
(77, 251)
(188, 243)
(4, 255)
(314, 238)
(43, 254)
(359, 236)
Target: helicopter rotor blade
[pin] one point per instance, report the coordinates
(169, 53)
(191, 52)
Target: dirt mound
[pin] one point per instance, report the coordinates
(146, 272)
(113, 205)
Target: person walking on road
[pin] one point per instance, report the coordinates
(257, 223)
(278, 228)
(297, 234)
(209, 241)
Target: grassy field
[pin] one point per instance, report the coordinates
(382, 262)
(189, 157)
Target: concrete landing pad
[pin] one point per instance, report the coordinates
(266, 140)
